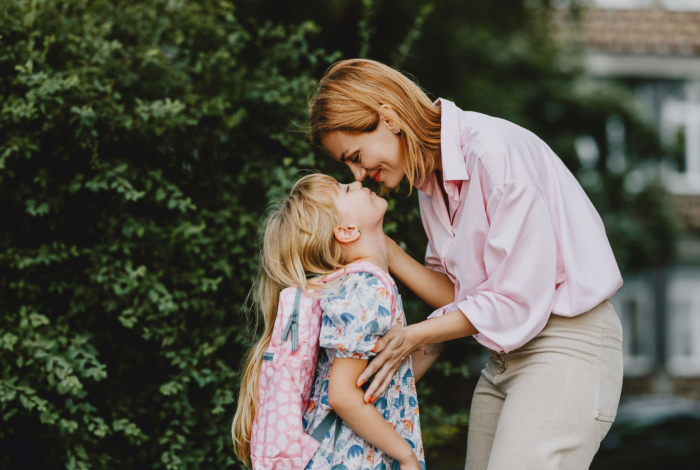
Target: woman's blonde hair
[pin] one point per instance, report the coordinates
(349, 98)
(297, 241)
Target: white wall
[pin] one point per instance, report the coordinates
(676, 5)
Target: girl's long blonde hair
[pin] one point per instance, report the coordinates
(297, 240)
(349, 98)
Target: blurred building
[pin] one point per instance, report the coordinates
(653, 46)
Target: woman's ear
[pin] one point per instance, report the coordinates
(389, 116)
(346, 235)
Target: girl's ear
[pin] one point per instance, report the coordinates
(346, 235)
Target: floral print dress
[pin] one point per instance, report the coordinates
(354, 318)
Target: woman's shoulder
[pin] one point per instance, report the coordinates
(506, 151)
(490, 134)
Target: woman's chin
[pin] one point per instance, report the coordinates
(391, 184)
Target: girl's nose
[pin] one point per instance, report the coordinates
(355, 186)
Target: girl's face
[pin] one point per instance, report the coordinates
(359, 207)
(375, 154)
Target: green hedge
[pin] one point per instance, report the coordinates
(137, 154)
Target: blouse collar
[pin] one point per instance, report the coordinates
(454, 167)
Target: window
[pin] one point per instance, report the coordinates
(634, 303)
(683, 332)
(679, 117)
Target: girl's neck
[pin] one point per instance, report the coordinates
(371, 248)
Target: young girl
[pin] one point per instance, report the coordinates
(321, 227)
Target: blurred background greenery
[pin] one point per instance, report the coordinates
(140, 143)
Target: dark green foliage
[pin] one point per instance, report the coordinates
(139, 144)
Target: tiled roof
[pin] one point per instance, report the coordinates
(647, 31)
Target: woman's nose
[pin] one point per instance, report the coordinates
(358, 172)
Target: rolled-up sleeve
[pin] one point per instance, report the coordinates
(514, 303)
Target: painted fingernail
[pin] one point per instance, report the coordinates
(361, 384)
(375, 348)
(373, 399)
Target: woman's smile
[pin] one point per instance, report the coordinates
(375, 154)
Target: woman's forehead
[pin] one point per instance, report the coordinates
(340, 145)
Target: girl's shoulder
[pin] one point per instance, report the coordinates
(355, 316)
(360, 284)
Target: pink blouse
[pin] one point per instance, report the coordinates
(521, 239)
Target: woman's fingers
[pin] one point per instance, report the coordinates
(385, 364)
(383, 371)
(380, 346)
(374, 388)
(374, 365)
(381, 381)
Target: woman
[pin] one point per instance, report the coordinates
(517, 257)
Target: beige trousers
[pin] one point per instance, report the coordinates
(549, 404)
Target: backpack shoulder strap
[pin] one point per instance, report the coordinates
(376, 271)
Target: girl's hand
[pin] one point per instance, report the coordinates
(413, 464)
(407, 458)
(394, 348)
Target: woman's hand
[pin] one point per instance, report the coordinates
(393, 349)
(400, 342)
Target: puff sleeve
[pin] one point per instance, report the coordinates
(355, 316)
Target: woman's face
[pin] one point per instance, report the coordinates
(374, 154)
(359, 207)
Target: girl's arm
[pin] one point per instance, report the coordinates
(347, 401)
(433, 287)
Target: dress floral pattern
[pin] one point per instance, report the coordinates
(354, 318)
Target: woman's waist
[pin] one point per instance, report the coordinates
(579, 335)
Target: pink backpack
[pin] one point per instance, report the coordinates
(278, 441)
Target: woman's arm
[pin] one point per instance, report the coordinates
(424, 358)
(347, 401)
(433, 287)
